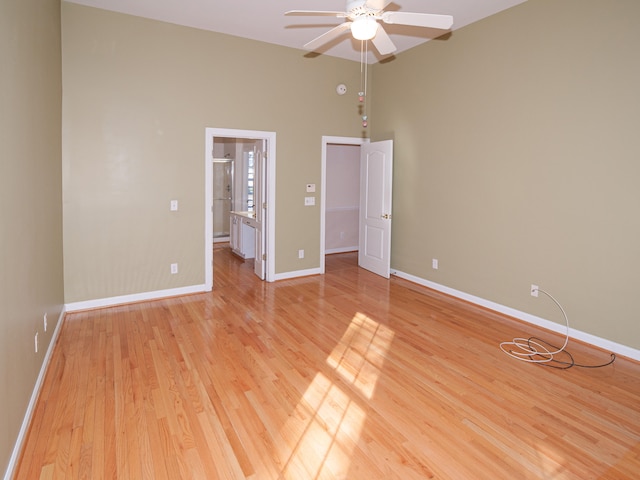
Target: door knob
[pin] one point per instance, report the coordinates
(386, 216)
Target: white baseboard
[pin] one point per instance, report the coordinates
(329, 251)
(136, 297)
(603, 343)
(297, 273)
(26, 421)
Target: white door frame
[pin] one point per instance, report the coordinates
(326, 140)
(270, 137)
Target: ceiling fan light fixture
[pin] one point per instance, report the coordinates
(364, 28)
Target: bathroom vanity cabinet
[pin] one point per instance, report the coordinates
(242, 236)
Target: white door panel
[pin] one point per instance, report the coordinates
(376, 170)
(374, 242)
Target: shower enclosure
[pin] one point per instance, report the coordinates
(222, 197)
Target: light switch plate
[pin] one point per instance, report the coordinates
(174, 205)
(309, 201)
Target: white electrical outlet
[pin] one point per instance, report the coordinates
(534, 290)
(45, 322)
(300, 253)
(174, 268)
(434, 263)
(173, 206)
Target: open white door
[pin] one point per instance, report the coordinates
(260, 193)
(376, 178)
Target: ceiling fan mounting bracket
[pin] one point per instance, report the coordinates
(359, 8)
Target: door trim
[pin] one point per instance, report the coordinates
(270, 137)
(326, 140)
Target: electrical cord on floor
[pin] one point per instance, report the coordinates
(536, 350)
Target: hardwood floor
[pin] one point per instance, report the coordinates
(341, 376)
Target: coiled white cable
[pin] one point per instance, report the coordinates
(529, 350)
(534, 350)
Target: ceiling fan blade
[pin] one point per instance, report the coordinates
(382, 42)
(316, 13)
(443, 22)
(328, 36)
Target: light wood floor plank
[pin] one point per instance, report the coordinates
(340, 376)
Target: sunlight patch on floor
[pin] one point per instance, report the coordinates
(359, 356)
(328, 421)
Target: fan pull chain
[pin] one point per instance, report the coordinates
(363, 80)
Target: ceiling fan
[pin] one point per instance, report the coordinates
(362, 19)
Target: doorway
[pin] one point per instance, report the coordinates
(375, 201)
(257, 193)
(339, 205)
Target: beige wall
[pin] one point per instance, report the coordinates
(31, 206)
(138, 96)
(517, 160)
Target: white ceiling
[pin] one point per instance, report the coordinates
(264, 20)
